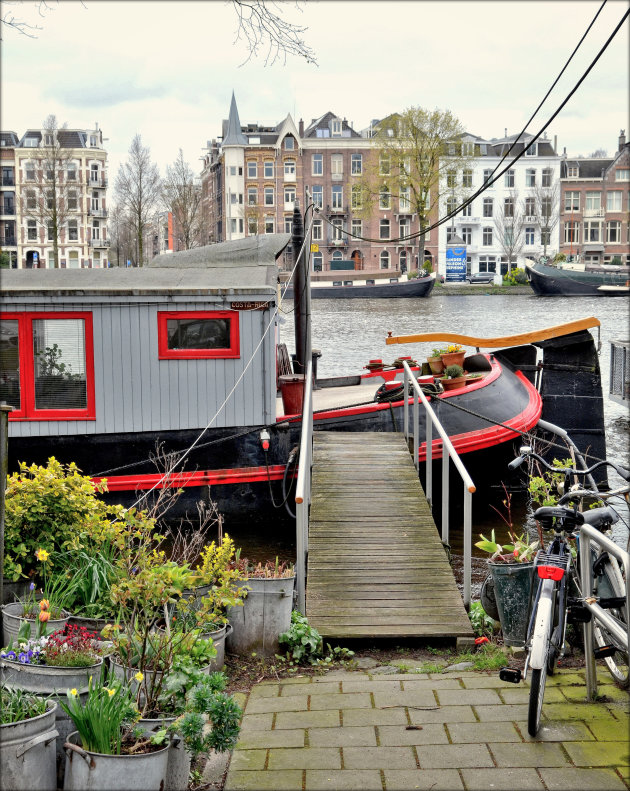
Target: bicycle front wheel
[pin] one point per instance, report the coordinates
(611, 584)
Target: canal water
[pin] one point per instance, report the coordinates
(351, 332)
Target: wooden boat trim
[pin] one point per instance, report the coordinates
(494, 343)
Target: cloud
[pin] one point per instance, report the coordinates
(110, 94)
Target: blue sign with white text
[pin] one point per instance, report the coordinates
(455, 264)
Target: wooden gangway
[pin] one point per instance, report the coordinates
(376, 565)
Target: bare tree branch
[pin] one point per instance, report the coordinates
(8, 20)
(181, 195)
(262, 27)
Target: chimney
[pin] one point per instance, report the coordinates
(555, 144)
(505, 135)
(622, 139)
(301, 128)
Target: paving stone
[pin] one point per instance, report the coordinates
(265, 691)
(471, 697)
(312, 758)
(599, 753)
(398, 735)
(511, 712)
(301, 680)
(458, 666)
(484, 682)
(341, 700)
(337, 675)
(573, 731)
(412, 697)
(264, 705)
(521, 695)
(376, 685)
(378, 757)
(251, 740)
(479, 732)
(311, 689)
(584, 779)
(257, 722)
(366, 662)
(422, 780)
(535, 754)
(287, 780)
(574, 711)
(248, 759)
(443, 755)
(564, 679)
(608, 730)
(354, 717)
(443, 714)
(348, 736)
(503, 780)
(384, 670)
(411, 683)
(343, 780)
(307, 719)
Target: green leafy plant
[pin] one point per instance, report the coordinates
(521, 550)
(546, 489)
(438, 351)
(483, 625)
(304, 645)
(515, 277)
(453, 372)
(18, 705)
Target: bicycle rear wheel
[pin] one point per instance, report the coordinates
(543, 624)
(610, 584)
(536, 695)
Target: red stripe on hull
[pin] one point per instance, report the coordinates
(120, 483)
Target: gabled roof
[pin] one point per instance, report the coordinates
(588, 167)
(323, 123)
(9, 139)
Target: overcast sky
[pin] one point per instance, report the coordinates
(166, 70)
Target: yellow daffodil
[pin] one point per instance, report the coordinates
(111, 692)
(42, 555)
(139, 676)
(74, 692)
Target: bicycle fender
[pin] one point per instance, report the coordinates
(542, 627)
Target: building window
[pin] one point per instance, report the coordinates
(509, 178)
(73, 202)
(252, 169)
(73, 260)
(508, 235)
(529, 235)
(71, 172)
(336, 165)
(336, 127)
(384, 164)
(488, 205)
(337, 197)
(31, 230)
(592, 231)
(613, 201)
(268, 169)
(622, 174)
(357, 227)
(269, 196)
(593, 201)
(530, 207)
(252, 226)
(73, 231)
(336, 256)
(451, 205)
(317, 162)
(404, 227)
(288, 224)
(252, 196)
(530, 177)
(547, 176)
(384, 229)
(356, 197)
(31, 200)
(466, 210)
(467, 234)
(402, 261)
(356, 164)
(233, 225)
(487, 175)
(289, 143)
(317, 230)
(50, 199)
(337, 230)
(185, 335)
(487, 263)
(385, 198)
(571, 201)
(572, 232)
(317, 262)
(404, 203)
(96, 230)
(573, 171)
(29, 171)
(384, 260)
(613, 231)
(467, 178)
(270, 225)
(318, 195)
(450, 233)
(289, 195)
(508, 207)
(94, 174)
(48, 365)
(289, 168)
(532, 151)
(487, 237)
(451, 179)
(545, 236)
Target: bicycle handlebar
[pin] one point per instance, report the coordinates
(526, 452)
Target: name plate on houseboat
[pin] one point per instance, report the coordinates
(249, 305)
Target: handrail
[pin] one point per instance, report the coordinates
(507, 340)
(589, 534)
(448, 452)
(303, 489)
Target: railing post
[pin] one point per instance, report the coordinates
(445, 493)
(416, 431)
(303, 489)
(467, 545)
(406, 407)
(586, 584)
(429, 458)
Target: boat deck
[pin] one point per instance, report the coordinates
(376, 564)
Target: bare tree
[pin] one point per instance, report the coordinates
(138, 190)
(509, 221)
(415, 150)
(122, 238)
(262, 27)
(181, 195)
(53, 195)
(548, 210)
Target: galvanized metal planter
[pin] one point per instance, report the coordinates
(263, 617)
(12, 619)
(27, 753)
(179, 760)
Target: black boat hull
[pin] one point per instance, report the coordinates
(418, 287)
(548, 281)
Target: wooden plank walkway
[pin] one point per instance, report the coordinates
(376, 564)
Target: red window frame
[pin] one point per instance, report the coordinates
(233, 351)
(27, 410)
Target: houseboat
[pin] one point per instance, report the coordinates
(117, 369)
(365, 285)
(576, 279)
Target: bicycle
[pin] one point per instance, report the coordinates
(553, 603)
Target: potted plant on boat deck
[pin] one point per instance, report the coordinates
(436, 364)
(454, 354)
(453, 378)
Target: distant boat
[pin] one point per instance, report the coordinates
(578, 280)
(360, 285)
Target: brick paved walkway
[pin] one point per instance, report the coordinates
(440, 732)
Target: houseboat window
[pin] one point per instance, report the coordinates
(336, 282)
(47, 366)
(190, 335)
(370, 282)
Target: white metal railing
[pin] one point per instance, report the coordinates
(303, 489)
(448, 452)
(621, 636)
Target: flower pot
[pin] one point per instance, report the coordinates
(436, 365)
(14, 590)
(453, 384)
(453, 358)
(88, 771)
(12, 619)
(263, 617)
(179, 760)
(218, 639)
(27, 753)
(512, 592)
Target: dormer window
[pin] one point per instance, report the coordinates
(468, 149)
(532, 151)
(93, 141)
(289, 143)
(573, 171)
(49, 139)
(31, 142)
(335, 126)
